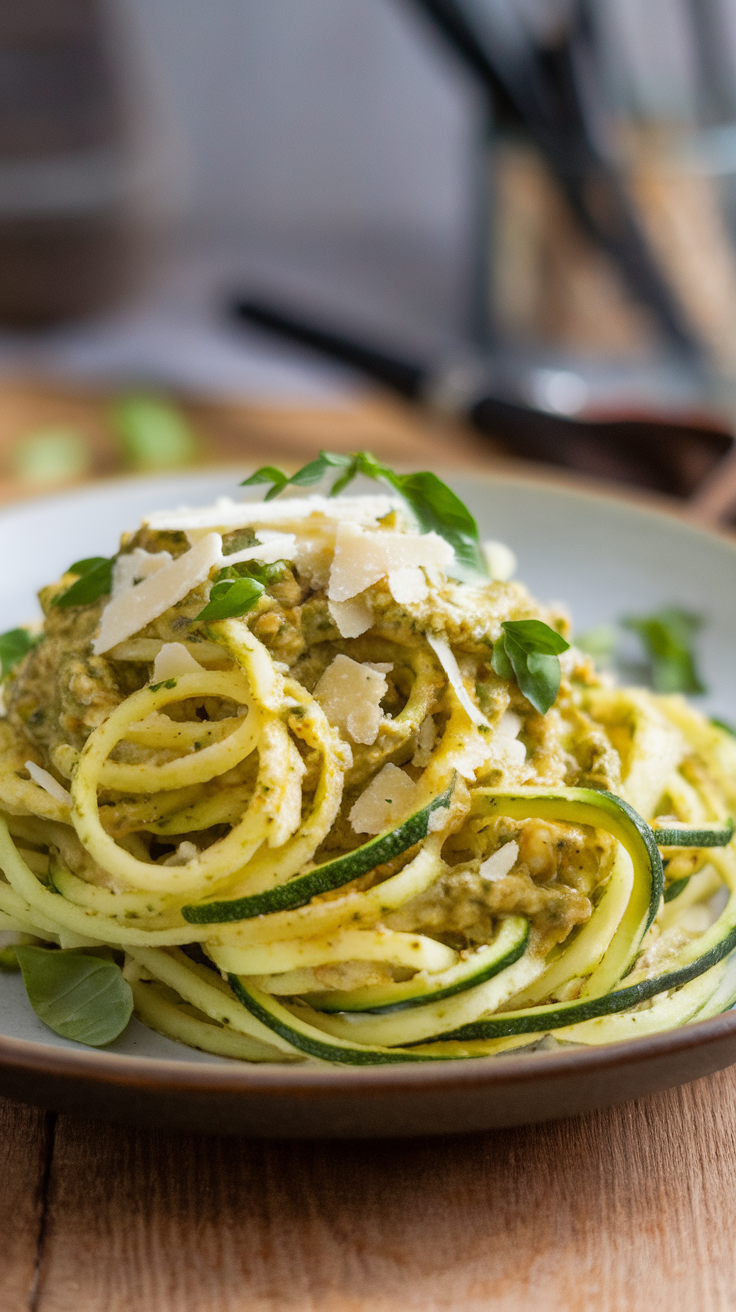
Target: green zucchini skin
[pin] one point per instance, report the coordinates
(674, 889)
(695, 836)
(541, 1019)
(300, 890)
(306, 1039)
(473, 974)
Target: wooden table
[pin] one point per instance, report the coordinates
(627, 1210)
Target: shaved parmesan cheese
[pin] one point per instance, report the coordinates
(449, 664)
(509, 726)
(227, 514)
(350, 696)
(173, 660)
(407, 585)
(388, 799)
(474, 752)
(48, 783)
(351, 617)
(133, 609)
(136, 565)
(363, 557)
(499, 863)
(513, 752)
(500, 560)
(184, 853)
(505, 740)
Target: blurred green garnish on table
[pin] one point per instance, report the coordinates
(51, 455)
(152, 433)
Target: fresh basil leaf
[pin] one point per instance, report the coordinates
(14, 645)
(436, 508)
(307, 476)
(87, 565)
(667, 637)
(537, 674)
(433, 506)
(153, 434)
(95, 581)
(78, 996)
(254, 569)
(541, 681)
(529, 651)
(268, 474)
(231, 597)
(535, 637)
(500, 661)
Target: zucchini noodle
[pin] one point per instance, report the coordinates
(337, 828)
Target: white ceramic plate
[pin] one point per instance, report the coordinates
(604, 558)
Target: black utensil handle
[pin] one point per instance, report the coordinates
(659, 455)
(403, 376)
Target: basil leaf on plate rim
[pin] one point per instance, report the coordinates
(79, 996)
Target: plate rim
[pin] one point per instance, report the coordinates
(161, 1075)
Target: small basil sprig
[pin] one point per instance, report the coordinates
(14, 645)
(668, 636)
(81, 997)
(529, 650)
(95, 580)
(433, 506)
(231, 597)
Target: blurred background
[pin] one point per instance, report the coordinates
(525, 209)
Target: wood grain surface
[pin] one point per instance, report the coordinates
(627, 1210)
(236, 432)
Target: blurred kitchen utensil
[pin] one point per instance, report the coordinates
(535, 85)
(664, 456)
